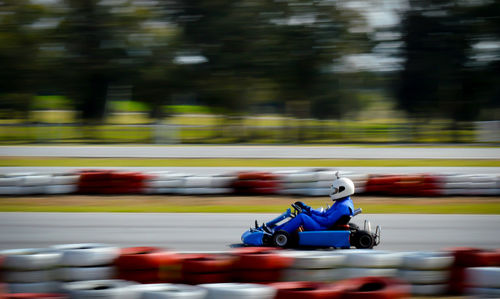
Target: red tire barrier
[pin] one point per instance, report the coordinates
(95, 175)
(142, 258)
(207, 268)
(306, 290)
(260, 264)
(263, 260)
(466, 257)
(474, 257)
(413, 185)
(256, 175)
(208, 263)
(111, 182)
(373, 288)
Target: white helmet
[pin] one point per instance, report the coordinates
(341, 187)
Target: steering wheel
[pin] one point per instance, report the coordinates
(296, 208)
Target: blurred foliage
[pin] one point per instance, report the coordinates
(299, 59)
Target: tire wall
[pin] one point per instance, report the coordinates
(73, 270)
(314, 182)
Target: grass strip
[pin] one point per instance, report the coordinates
(219, 162)
(481, 208)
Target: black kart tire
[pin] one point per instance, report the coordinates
(282, 239)
(363, 240)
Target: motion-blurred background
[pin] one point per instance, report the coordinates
(249, 71)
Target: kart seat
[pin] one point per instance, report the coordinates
(342, 223)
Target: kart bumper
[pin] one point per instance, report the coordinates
(253, 238)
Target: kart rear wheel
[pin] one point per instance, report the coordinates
(363, 240)
(282, 239)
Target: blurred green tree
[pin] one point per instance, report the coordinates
(98, 37)
(19, 52)
(441, 75)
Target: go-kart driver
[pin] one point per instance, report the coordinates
(311, 219)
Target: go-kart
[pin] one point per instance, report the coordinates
(342, 234)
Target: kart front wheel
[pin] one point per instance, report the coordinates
(363, 240)
(281, 239)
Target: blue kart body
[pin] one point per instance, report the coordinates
(341, 238)
(336, 239)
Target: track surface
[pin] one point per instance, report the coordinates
(215, 232)
(230, 151)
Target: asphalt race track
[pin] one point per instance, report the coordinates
(263, 151)
(218, 232)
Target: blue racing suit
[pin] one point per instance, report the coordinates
(311, 219)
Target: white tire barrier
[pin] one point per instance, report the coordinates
(425, 276)
(61, 189)
(166, 291)
(364, 272)
(101, 289)
(290, 182)
(197, 182)
(427, 260)
(36, 180)
(35, 287)
(202, 191)
(374, 259)
(10, 190)
(238, 290)
(428, 272)
(316, 275)
(483, 277)
(318, 260)
(30, 259)
(85, 273)
(65, 179)
(429, 289)
(490, 293)
(10, 181)
(83, 255)
(29, 276)
(165, 184)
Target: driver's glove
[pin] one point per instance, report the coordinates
(300, 204)
(304, 207)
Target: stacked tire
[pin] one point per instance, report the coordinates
(165, 291)
(260, 265)
(471, 184)
(404, 185)
(64, 183)
(315, 266)
(239, 290)
(24, 184)
(111, 182)
(428, 273)
(465, 258)
(256, 183)
(361, 263)
(483, 281)
(303, 183)
(207, 185)
(164, 182)
(207, 268)
(102, 289)
(143, 264)
(30, 270)
(80, 262)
